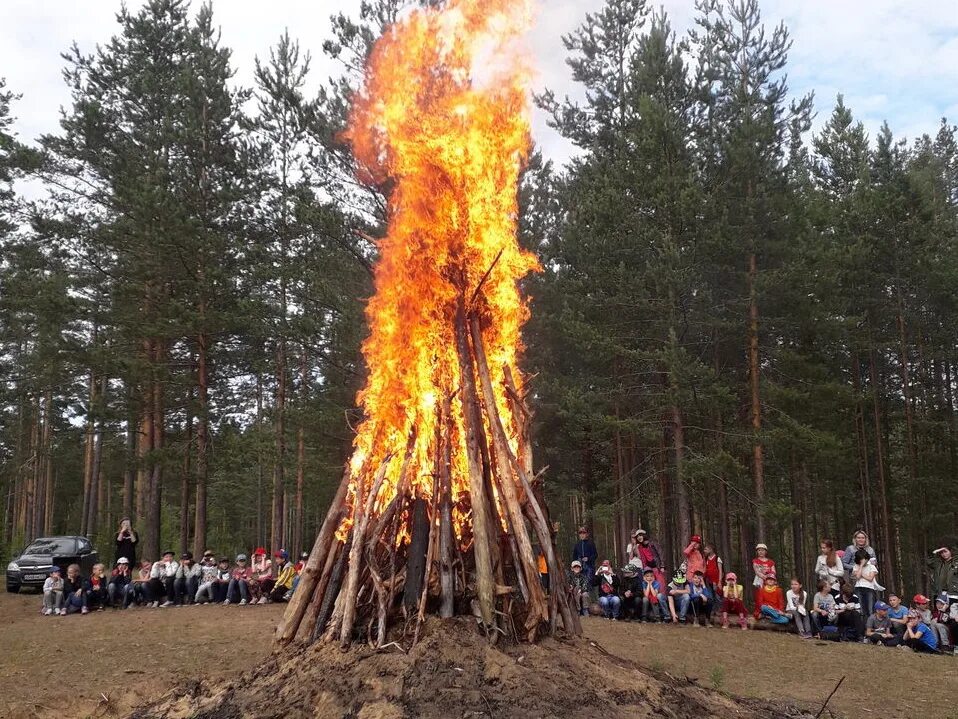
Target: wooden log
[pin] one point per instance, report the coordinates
(538, 610)
(523, 416)
(384, 596)
(416, 559)
(315, 623)
(430, 555)
(325, 540)
(361, 513)
(481, 525)
(446, 538)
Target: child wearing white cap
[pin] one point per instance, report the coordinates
(53, 593)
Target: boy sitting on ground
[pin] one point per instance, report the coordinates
(700, 599)
(919, 637)
(53, 593)
(678, 598)
(283, 588)
(898, 614)
(878, 627)
(654, 606)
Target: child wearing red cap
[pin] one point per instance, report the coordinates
(261, 580)
(694, 559)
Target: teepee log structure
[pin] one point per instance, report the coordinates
(438, 511)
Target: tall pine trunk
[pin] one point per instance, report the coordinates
(301, 451)
(887, 537)
(202, 442)
(754, 366)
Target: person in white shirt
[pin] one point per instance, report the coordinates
(795, 599)
(829, 567)
(162, 579)
(865, 575)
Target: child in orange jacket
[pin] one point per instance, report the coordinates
(771, 601)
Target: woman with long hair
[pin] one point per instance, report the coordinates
(829, 567)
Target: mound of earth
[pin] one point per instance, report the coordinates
(453, 672)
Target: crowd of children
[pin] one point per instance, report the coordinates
(169, 582)
(847, 606)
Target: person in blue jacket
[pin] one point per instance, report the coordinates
(584, 551)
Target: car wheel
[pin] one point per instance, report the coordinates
(13, 588)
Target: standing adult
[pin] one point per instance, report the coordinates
(126, 541)
(859, 542)
(943, 570)
(585, 552)
(651, 555)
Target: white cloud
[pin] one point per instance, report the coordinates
(893, 59)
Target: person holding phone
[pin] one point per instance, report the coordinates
(126, 541)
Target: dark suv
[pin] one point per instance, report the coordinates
(34, 564)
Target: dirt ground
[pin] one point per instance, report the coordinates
(108, 664)
(881, 683)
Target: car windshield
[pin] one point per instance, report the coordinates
(53, 545)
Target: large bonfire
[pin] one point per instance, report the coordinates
(439, 510)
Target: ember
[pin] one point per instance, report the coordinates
(439, 502)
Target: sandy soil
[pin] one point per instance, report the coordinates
(881, 683)
(109, 664)
(105, 663)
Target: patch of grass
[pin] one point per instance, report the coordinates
(717, 677)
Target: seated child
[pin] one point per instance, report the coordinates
(919, 637)
(53, 593)
(878, 628)
(823, 609)
(848, 607)
(653, 607)
(898, 614)
(239, 581)
(261, 581)
(283, 589)
(119, 580)
(138, 590)
(607, 584)
(222, 584)
(771, 601)
(187, 582)
(795, 608)
(678, 598)
(701, 599)
(75, 590)
(733, 596)
(579, 588)
(944, 623)
(208, 577)
(99, 596)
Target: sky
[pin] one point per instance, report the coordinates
(894, 60)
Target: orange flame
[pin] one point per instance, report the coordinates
(444, 119)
